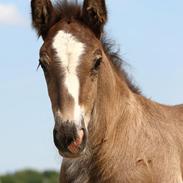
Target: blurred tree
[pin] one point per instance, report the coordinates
(30, 176)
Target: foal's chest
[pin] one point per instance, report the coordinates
(85, 172)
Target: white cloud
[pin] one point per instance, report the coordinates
(9, 15)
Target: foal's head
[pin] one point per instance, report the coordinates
(70, 58)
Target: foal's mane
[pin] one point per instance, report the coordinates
(72, 11)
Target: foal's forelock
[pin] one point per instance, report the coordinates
(68, 52)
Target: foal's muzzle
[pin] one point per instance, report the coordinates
(69, 139)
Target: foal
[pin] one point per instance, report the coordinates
(105, 129)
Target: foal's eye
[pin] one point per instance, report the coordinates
(43, 65)
(44, 62)
(97, 62)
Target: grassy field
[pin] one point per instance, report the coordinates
(30, 176)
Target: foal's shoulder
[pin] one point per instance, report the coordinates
(175, 111)
(175, 108)
(179, 107)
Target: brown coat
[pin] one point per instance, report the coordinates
(131, 139)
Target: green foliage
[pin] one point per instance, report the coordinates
(30, 176)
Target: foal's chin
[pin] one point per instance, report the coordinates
(72, 155)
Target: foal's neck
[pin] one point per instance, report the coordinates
(113, 113)
(112, 104)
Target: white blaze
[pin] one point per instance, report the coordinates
(69, 51)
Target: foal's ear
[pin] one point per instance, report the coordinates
(42, 13)
(95, 15)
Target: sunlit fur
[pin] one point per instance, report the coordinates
(131, 139)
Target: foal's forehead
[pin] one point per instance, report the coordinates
(68, 29)
(68, 48)
(78, 31)
(69, 38)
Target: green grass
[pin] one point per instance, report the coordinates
(30, 176)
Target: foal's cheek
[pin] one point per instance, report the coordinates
(90, 95)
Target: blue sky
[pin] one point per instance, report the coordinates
(150, 37)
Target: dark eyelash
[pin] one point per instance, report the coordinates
(41, 65)
(38, 66)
